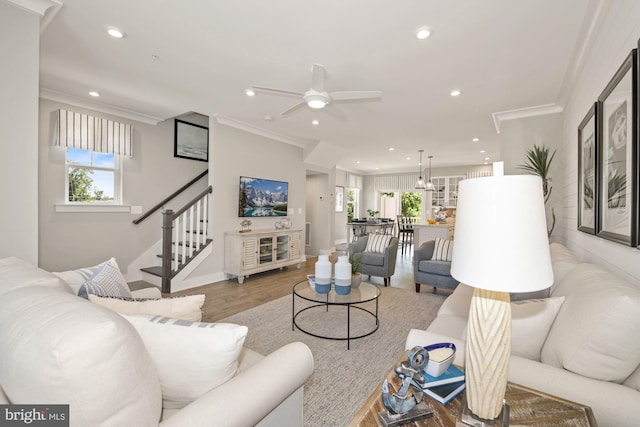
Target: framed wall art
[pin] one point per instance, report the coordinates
(587, 183)
(191, 141)
(617, 155)
(339, 199)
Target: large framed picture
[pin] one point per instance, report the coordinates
(587, 188)
(191, 141)
(339, 198)
(617, 155)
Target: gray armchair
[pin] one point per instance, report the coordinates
(375, 264)
(432, 273)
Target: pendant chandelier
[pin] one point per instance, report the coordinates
(420, 185)
(429, 186)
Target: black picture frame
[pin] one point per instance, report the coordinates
(587, 171)
(617, 148)
(191, 141)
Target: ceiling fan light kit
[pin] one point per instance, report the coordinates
(318, 98)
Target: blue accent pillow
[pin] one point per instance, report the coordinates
(106, 282)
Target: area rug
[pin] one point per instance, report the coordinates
(342, 379)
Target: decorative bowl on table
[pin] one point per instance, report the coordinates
(440, 358)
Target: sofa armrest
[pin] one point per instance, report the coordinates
(151, 292)
(420, 337)
(251, 395)
(358, 246)
(425, 251)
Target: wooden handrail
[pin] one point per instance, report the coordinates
(169, 198)
(180, 211)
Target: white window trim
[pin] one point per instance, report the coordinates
(79, 207)
(107, 205)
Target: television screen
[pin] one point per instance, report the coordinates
(262, 197)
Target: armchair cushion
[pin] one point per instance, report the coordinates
(443, 250)
(370, 258)
(377, 243)
(191, 357)
(442, 268)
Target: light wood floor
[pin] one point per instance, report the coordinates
(227, 297)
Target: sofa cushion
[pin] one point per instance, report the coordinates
(185, 308)
(370, 258)
(75, 278)
(107, 281)
(633, 380)
(442, 268)
(191, 357)
(56, 348)
(562, 262)
(377, 243)
(530, 324)
(597, 331)
(442, 250)
(16, 273)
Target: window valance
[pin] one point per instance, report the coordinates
(92, 133)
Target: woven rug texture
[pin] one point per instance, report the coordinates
(342, 379)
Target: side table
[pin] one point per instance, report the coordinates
(527, 407)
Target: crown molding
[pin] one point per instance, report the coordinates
(97, 106)
(46, 9)
(522, 113)
(238, 124)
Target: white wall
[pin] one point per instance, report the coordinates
(73, 240)
(320, 213)
(19, 44)
(617, 33)
(340, 218)
(235, 152)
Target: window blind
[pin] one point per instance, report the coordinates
(91, 133)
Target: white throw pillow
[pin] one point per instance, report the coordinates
(75, 278)
(530, 324)
(377, 243)
(184, 308)
(191, 357)
(597, 331)
(56, 348)
(443, 250)
(107, 281)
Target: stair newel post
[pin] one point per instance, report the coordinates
(167, 234)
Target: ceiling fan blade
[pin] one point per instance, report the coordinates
(293, 109)
(336, 112)
(347, 95)
(317, 77)
(278, 91)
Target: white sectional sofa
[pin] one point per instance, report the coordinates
(581, 343)
(58, 348)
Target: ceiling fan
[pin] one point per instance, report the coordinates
(318, 98)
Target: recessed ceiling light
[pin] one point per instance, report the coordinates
(357, 162)
(486, 163)
(115, 33)
(476, 139)
(268, 118)
(408, 158)
(391, 148)
(455, 92)
(250, 92)
(487, 158)
(94, 93)
(423, 33)
(315, 122)
(482, 151)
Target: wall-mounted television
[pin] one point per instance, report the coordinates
(262, 197)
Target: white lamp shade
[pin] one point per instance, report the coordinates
(500, 241)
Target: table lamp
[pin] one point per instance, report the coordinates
(500, 246)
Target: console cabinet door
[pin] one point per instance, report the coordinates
(294, 245)
(249, 253)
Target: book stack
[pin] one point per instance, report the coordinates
(445, 387)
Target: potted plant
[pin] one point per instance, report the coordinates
(372, 214)
(539, 163)
(356, 276)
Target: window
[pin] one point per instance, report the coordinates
(92, 177)
(352, 203)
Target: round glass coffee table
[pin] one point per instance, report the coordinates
(365, 293)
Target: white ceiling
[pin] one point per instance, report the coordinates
(502, 54)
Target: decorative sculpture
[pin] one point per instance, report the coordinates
(245, 223)
(402, 407)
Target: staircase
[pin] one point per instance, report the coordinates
(185, 234)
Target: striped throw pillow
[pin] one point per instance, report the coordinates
(443, 250)
(377, 243)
